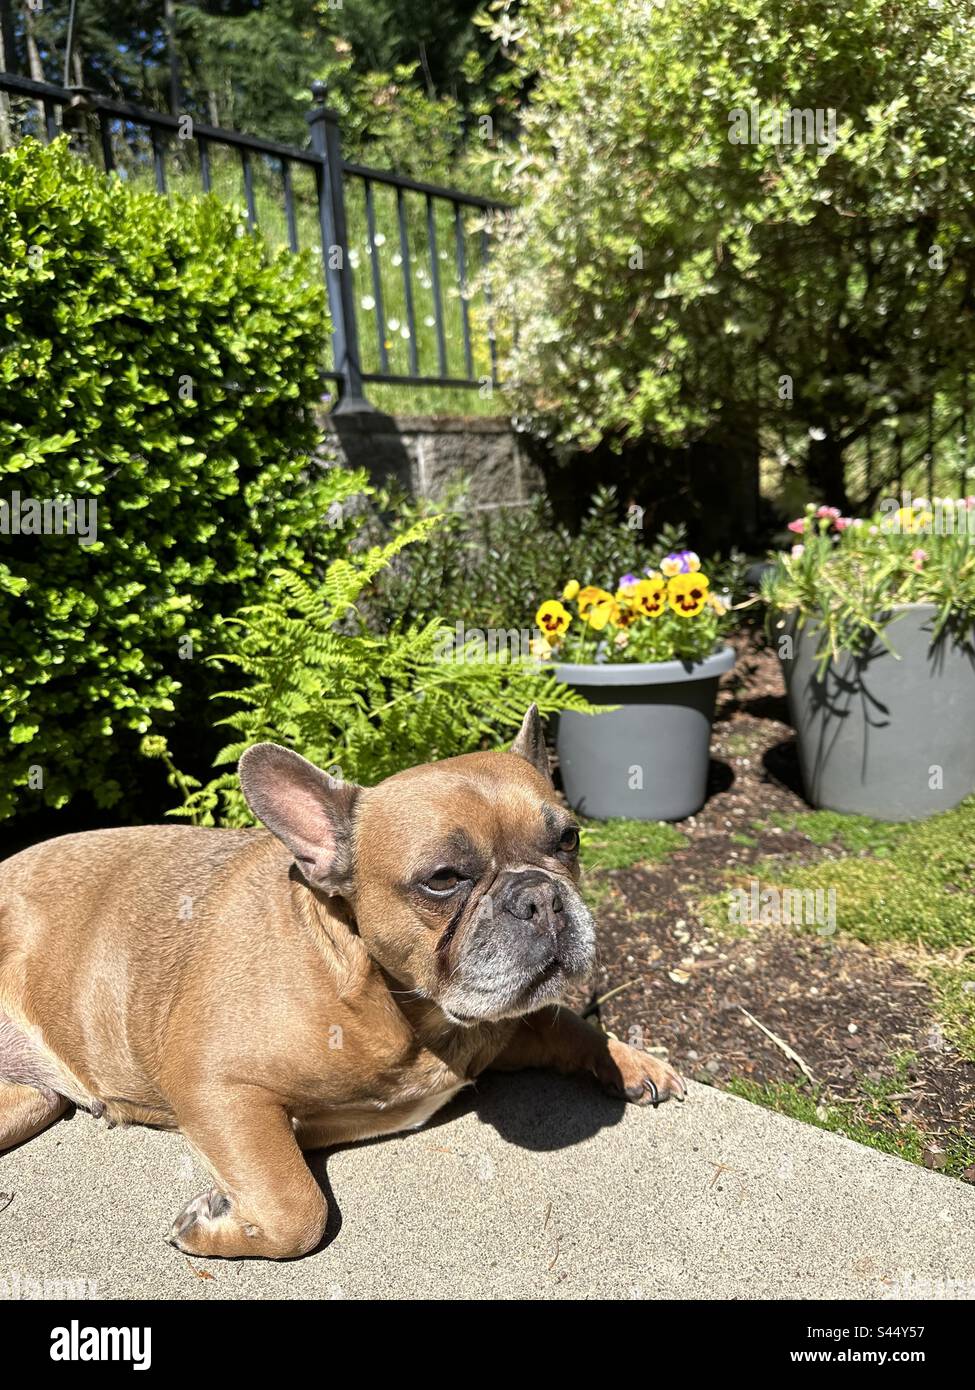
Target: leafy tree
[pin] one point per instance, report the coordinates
(120, 46)
(408, 75)
(674, 285)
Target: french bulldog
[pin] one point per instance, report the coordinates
(336, 975)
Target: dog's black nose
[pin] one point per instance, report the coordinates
(534, 897)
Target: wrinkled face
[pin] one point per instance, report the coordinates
(466, 875)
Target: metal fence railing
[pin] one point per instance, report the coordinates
(314, 197)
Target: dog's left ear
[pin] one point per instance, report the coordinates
(530, 743)
(309, 811)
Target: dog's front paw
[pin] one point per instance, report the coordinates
(212, 1226)
(643, 1079)
(204, 1225)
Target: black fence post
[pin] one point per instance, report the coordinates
(326, 142)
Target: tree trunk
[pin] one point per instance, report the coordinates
(6, 134)
(8, 37)
(35, 66)
(826, 471)
(169, 20)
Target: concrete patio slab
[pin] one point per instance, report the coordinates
(532, 1186)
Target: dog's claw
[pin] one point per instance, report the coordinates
(640, 1078)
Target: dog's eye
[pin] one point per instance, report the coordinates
(569, 842)
(444, 881)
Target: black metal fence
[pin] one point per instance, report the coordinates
(129, 139)
(918, 441)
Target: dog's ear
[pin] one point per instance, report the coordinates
(307, 810)
(530, 742)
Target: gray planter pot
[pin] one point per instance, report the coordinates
(882, 737)
(647, 760)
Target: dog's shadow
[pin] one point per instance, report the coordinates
(535, 1110)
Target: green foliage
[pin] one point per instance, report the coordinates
(903, 897)
(158, 361)
(909, 883)
(848, 583)
(953, 981)
(662, 273)
(360, 704)
(404, 73)
(855, 834)
(491, 569)
(390, 111)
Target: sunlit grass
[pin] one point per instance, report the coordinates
(379, 269)
(622, 844)
(873, 1120)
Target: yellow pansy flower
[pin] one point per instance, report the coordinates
(553, 619)
(597, 607)
(589, 595)
(570, 590)
(687, 594)
(649, 597)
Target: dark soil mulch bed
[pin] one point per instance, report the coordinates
(845, 1009)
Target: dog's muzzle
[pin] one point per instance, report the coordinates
(530, 935)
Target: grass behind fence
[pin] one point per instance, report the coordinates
(227, 183)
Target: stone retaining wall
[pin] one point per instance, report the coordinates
(425, 454)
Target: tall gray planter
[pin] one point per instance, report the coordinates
(647, 760)
(882, 737)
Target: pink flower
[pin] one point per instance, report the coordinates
(828, 511)
(842, 522)
(797, 550)
(798, 526)
(918, 558)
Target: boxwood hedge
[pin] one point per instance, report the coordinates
(158, 360)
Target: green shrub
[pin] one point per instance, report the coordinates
(158, 360)
(361, 704)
